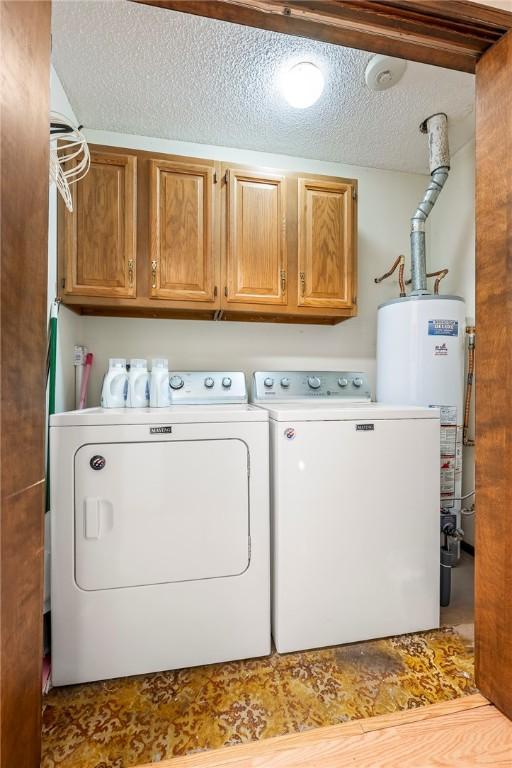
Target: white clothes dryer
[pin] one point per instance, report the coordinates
(160, 533)
(354, 510)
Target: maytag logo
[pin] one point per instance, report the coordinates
(160, 430)
(365, 427)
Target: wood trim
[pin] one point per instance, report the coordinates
(493, 540)
(447, 33)
(25, 46)
(346, 744)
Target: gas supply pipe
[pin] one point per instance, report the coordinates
(471, 333)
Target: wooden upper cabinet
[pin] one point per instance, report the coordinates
(326, 249)
(181, 242)
(214, 240)
(99, 237)
(255, 263)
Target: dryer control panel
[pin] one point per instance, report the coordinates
(301, 385)
(207, 387)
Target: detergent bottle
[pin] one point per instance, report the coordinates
(113, 393)
(138, 384)
(159, 383)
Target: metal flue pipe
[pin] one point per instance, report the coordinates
(436, 126)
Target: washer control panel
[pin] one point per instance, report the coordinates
(207, 387)
(300, 385)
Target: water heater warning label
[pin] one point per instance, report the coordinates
(448, 414)
(448, 441)
(451, 454)
(443, 327)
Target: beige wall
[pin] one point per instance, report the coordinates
(386, 200)
(69, 323)
(502, 5)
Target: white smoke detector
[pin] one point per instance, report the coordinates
(384, 72)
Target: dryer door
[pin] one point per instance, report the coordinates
(149, 513)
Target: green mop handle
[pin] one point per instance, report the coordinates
(51, 377)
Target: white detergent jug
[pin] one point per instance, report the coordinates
(113, 393)
(138, 385)
(159, 383)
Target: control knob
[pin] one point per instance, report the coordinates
(226, 382)
(285, 382)
(357, 382)
(209, 382)
(342, 382)
(176, 382)
(268, 382)
(314, 382)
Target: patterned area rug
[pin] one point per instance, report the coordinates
(124, 722)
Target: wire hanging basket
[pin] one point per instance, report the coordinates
(69, 155)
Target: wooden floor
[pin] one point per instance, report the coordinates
(464, 732)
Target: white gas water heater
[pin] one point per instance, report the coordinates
(421, 343)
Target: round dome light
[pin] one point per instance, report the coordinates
(303, 85)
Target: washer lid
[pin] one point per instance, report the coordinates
(306, 410)
(175, 414)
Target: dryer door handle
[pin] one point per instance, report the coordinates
(92, 522)
(98, 517)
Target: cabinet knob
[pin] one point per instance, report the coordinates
(131, 264)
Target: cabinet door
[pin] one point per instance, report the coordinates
(326, 244)
(99, 237)
(181, 231)
(255, 255)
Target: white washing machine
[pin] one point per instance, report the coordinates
(160, 533)
(354, 510)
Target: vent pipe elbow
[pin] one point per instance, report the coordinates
(436, 127)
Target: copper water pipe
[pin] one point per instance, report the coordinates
(471, 332)
(438, 275)
(400, 263)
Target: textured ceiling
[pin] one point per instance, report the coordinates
(142, 70)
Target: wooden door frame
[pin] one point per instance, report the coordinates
(456, 34)
(471, 37)
(25, 46)
(446, 33)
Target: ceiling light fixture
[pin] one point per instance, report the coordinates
(303, 85)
